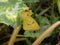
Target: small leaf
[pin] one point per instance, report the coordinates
(45, 10)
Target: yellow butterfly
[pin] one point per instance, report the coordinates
(28, 22)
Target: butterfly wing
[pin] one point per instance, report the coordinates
(30, 24)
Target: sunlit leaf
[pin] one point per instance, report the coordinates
(9, 12)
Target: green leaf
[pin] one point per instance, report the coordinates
(28, 42)
(7, 19)
(43, 11)
(53, 17)
(9, 12)
(58, 4)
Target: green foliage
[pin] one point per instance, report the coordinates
(53, 17)
(43, 11)
(28, 42)
(58, 4)
(7, 19)
(9, 12)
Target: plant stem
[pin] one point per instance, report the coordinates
(43, 36)
(18, 39)
(13, 37)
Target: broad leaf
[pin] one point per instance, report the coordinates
(9, 12)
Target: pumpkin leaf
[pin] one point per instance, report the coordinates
(9, 12)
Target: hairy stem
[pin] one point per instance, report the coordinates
(13, 36)
(43, 36)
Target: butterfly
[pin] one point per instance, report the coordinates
(29, 23)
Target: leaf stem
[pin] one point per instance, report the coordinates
(43, 36)
(13, 37)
